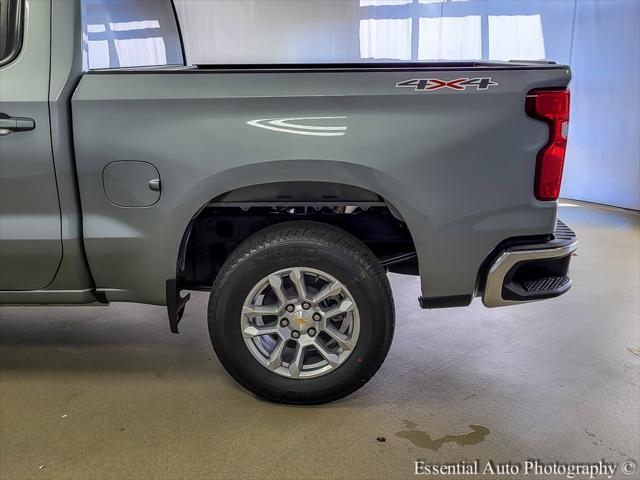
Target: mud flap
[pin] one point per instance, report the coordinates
(175, 304)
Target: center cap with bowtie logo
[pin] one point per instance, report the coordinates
(301, 319)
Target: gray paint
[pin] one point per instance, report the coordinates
(131, 184)
(72, 282)
(462, 181)
(30, 238)
(452, 174)
(66, 69)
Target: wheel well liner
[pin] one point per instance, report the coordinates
(313, 192)
(230, 218)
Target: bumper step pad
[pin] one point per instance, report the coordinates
(531, 271)
(545, 284)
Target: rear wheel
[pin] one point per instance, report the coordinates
(301, 312)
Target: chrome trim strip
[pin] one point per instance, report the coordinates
(492, 296)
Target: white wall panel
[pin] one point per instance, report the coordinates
(271, 31)
(520, 29)
(450, 38)
(516, 36)
(603, 160)
(385, 38)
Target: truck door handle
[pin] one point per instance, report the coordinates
(15, 124)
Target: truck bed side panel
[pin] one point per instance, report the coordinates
(458, 165)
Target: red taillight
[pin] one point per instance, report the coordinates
(551, 106)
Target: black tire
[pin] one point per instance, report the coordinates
(311, 245)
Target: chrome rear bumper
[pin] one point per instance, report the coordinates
(526, 273)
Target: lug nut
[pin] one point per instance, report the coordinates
(317, 317)
(311, 332)
(284, 322)
(295, 334)
(290, 308)
(306, 306)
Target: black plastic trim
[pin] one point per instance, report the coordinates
(512, 288)
(180, 36)
(15, 32)
(175, 304)
(445, 302)
(101, 297)
(340, 67)
(506, 244)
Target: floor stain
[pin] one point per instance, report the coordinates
(423, 439)
(74, 395)
(599, 442)
(634, 350)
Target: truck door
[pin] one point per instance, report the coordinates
(30, 236)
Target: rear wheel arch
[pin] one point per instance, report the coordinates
(231, 217)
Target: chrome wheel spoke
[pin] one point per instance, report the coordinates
(344, 307)
(251, 331)
(276, 284)
(310, 326)
(260, 310)
(297, 278)
(332, 358)
(341, 339)
(275, 358)
(295, 367)
(330, 290)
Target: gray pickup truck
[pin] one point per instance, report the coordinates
(286, 190)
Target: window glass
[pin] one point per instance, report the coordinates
(10, 29)
(130, 33)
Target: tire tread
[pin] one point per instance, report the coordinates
(315, 233)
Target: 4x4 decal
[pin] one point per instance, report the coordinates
(431, 84)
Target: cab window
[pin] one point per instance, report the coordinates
(10, 29)
(130, 33)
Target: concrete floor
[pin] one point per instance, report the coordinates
(108, 392)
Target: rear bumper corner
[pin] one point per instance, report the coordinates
(530, 272)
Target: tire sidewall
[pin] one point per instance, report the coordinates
(360, 279)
